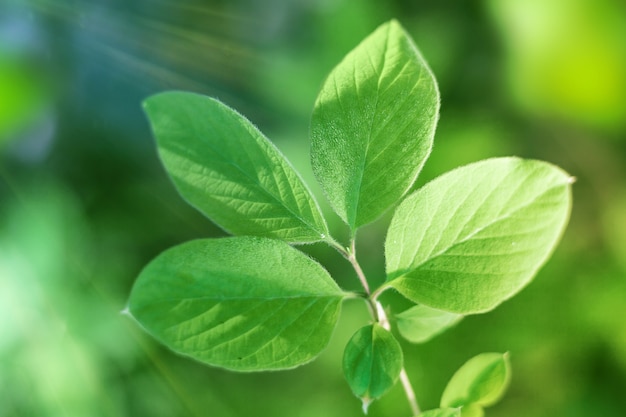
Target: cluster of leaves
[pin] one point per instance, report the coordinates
(460, 245)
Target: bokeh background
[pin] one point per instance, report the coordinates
(84, 202)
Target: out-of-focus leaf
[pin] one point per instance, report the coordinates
(476, 235)
(226, 168)
(472, 410)
(373, 125)
(442, 412)
(242, 303)
(480, 381)
(421, 323)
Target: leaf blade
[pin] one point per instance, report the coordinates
(476, 235)
(421, 323)
(442, 412)
(372, 362)
(373, 125)
(480, 382)
(240, 303)
(226, 168)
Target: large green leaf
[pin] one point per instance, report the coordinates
(481, 381)
(421, 323)
(442, 412)
(226, 168)
(475, 236)
(242, 303)
(373, 125)
(372, 362)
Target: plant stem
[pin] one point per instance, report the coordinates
(378, 314)
(410, 394)
(404, 378)
(357, 267)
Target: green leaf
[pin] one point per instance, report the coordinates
(472, 410)
(373, 125)
(475, 236)
(372, 362)
(241, 303)
(227, 169)
(481, 381)
(442, 412)
(421, 323)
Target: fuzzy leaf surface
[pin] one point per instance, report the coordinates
(476, 235)
(226, 168)
(372, 362)
(481, 381)
(241, 303)
(373, 125)
(421, 323)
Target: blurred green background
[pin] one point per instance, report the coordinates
(84, 202)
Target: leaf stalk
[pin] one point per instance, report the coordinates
(377, 312)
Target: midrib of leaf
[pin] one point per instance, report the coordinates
(474, 233)
(261, 298)
(403, 127)
(352, 219)
(255, 180)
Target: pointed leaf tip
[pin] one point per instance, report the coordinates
(475, 236)
(226, 168)
(373, 124)
(241, 303)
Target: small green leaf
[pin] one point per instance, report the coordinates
(227, 169)
(372, 362)
(475, 236)
(472, 410)
(442, 412)
(421, 323)
(481, 381)
(373, 125)
(241, 303)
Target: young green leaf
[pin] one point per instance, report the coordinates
(227, 169)
(481, 381)
(421, 323)
(475, 236)
(472, 410)
(372, 362)
(442, 412)
(241, 303)
(373, 125)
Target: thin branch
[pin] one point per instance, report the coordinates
(410, 394)
(378, 313)
(357, 268)
(404, 378)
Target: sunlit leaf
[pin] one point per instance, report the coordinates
(242, 303)
(421, 323)
(476, 235)
(226, 168)
(481, 381)
(472, 410)
(373, 125)
(442, 412)
(372, 362)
